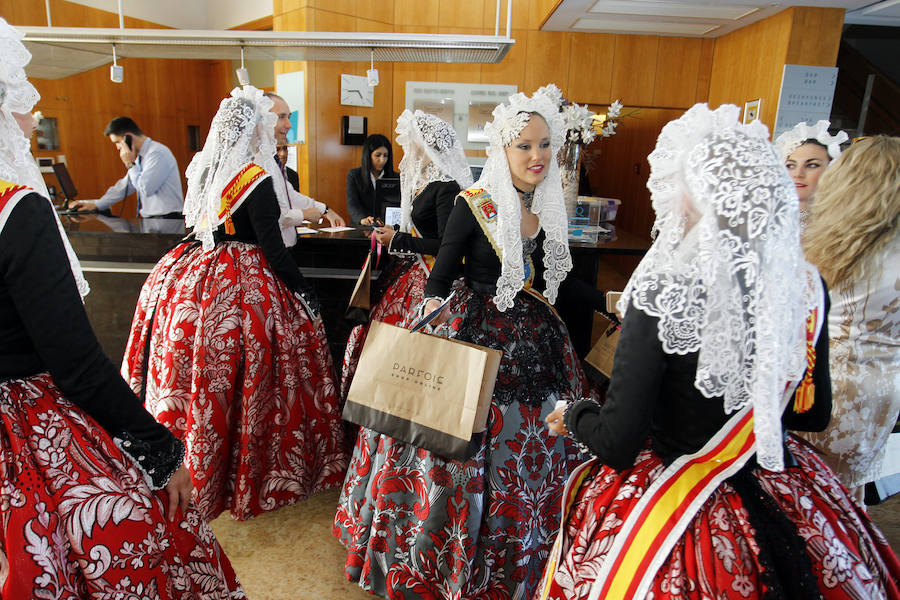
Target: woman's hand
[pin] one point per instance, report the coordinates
(384, 235)
(334, 219)
(369, 221)
(179, 490)
(555, 422)
(431, 306)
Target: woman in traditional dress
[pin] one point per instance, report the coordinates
(807, 151)
(693, 492)
(418, 525)
(94, 500)
(432, 172)
(854, 240)
(227, 346)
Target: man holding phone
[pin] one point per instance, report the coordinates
(152, 174)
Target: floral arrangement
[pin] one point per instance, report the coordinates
(583, 126)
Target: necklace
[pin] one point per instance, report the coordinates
(527, 198)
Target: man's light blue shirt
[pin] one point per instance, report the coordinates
(156, 179)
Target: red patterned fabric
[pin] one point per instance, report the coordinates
(406, 291)
(417, 525)
(718, 556)
(78, 520)
(238, 370)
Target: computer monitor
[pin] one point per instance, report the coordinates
(65, 182)
(387, 199)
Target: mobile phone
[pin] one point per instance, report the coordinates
(128, 141)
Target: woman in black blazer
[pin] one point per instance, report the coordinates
(377, 162)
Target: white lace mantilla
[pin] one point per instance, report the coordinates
(242, 131)
(733, 288)
(431, 152)
(548, 204)
(17, 95)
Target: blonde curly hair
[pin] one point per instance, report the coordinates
(856, 211)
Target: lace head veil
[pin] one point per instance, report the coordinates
(790, 140)
(17, 95)
(431, 152)
(242, 131)
(508, 122)
(734, 286)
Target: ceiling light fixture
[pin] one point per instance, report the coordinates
(116, 72)
(372, 73)
(242, 75)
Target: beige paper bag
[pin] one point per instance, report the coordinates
(430, 391)
(601, 355)
(361, 300)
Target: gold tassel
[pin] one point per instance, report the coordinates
(805, 394)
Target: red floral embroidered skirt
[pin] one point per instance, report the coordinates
(237, 369)
(77, 519)
(417, 525)
(723, 554)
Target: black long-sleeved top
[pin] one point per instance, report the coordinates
(430, 211)
(652, 393)
(464, 239)
(256, 222)
(361, 194)
(44, 328)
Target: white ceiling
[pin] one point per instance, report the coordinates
(190, 14)
(696, 18)
(691, 18)
(699, 18)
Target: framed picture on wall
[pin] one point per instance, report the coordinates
(751, 111)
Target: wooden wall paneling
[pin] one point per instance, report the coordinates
(748, 63)
(539, 11)
(416, 13)
(333, 159)
(591, 67)
(677, 70)
(328, 20)
(547, 60)
(704, 72)
(520, 15)
(383, 117)
(468, 14)
(343, 7)
(511, 70)
(815, 36)
(407, 71)
(620, 169)
(383, 12)
(634, 69)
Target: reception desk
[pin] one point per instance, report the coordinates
(117, 254)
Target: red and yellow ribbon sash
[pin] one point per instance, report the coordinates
(10, 193)
(425, 261)
(485, 210)
(662, 514)
(235, 192)
(806, 390)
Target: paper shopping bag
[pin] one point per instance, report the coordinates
(601, 355)
(429, 391)
(360, 299)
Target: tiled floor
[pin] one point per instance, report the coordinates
(291, 554)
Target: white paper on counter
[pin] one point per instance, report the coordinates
(305, 230)
(335, 229)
